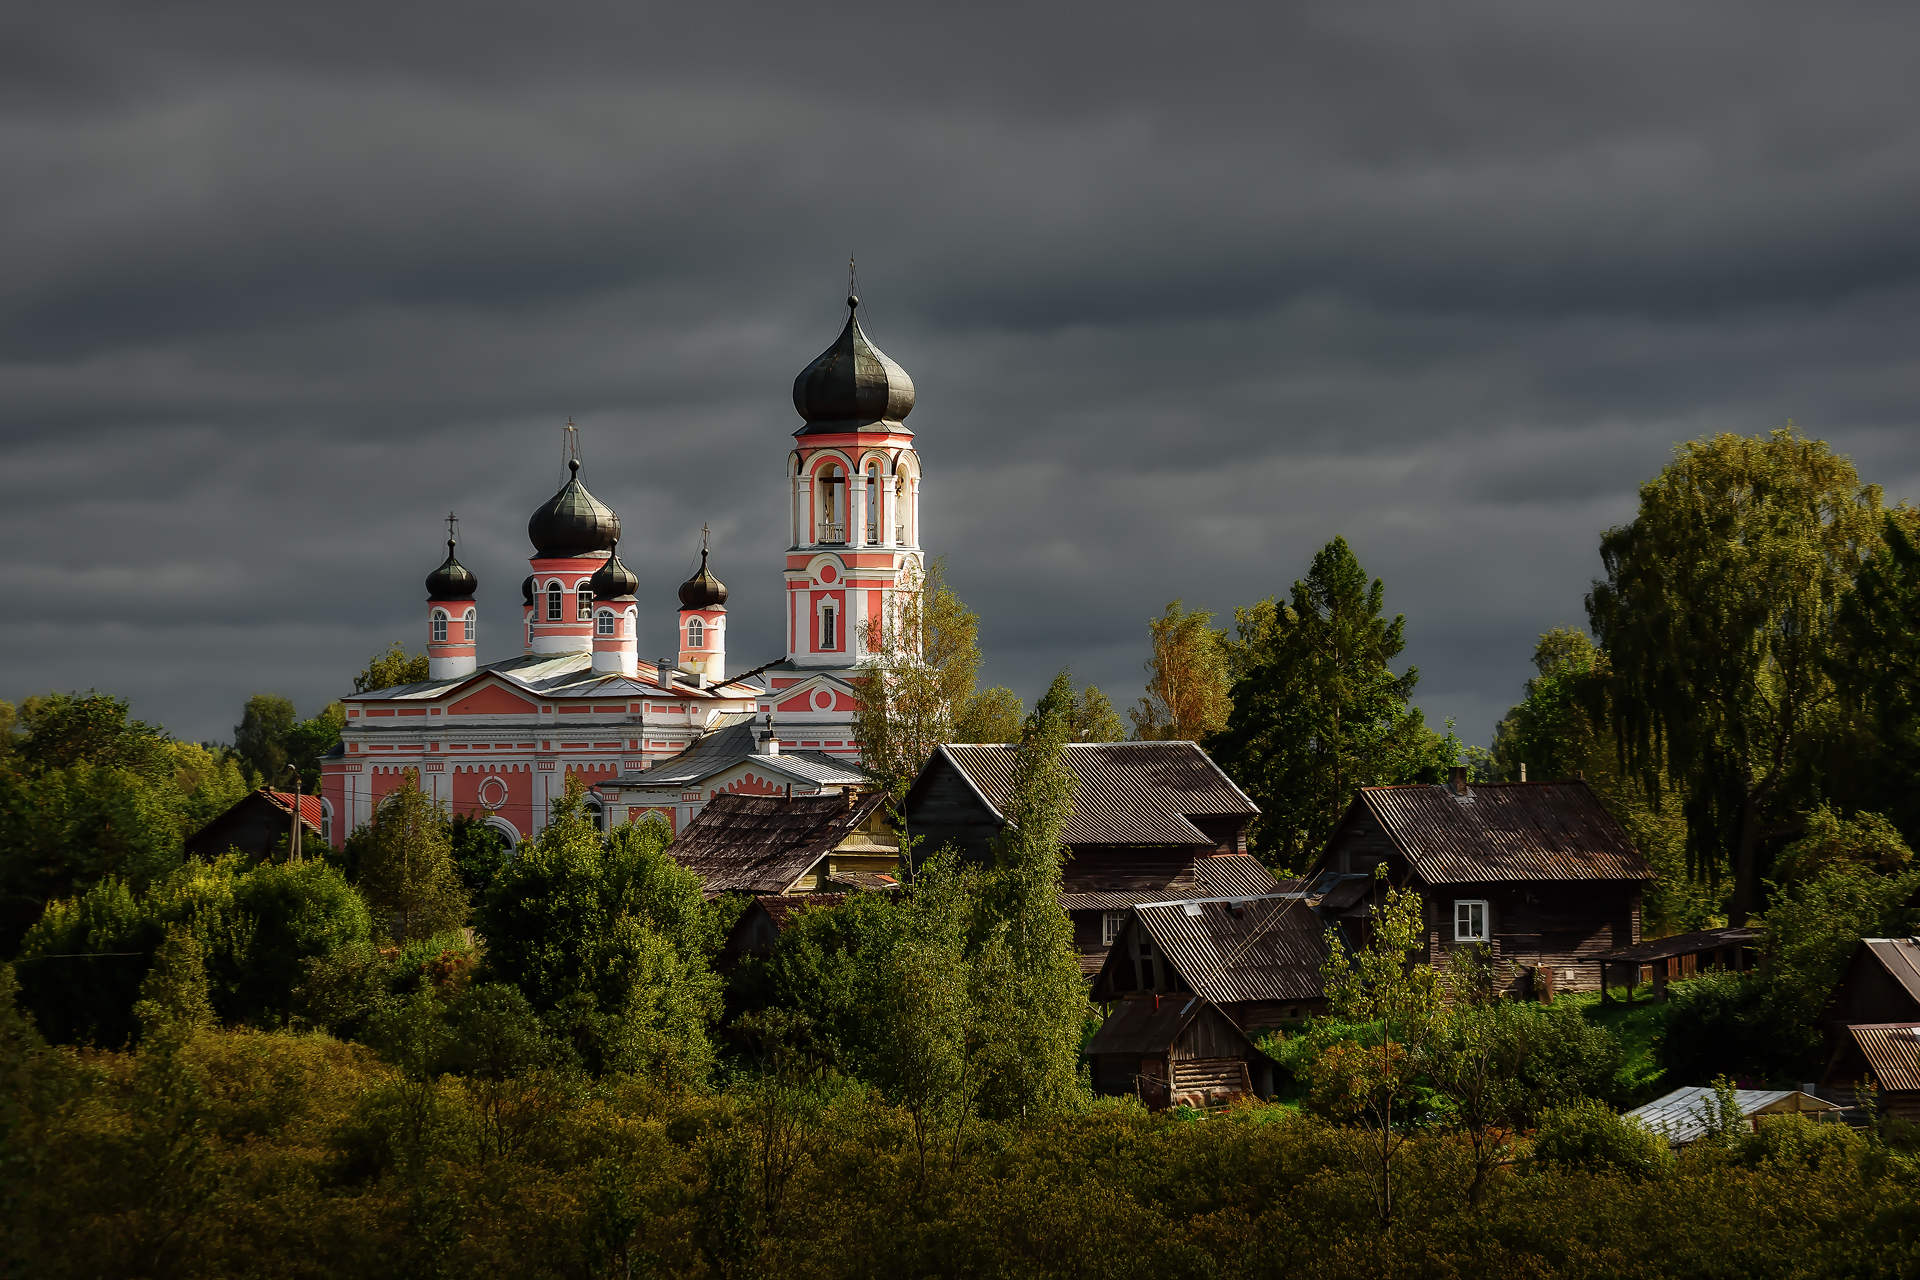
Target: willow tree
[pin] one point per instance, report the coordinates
(916, 688)
(1317, 710)
(1718, 617)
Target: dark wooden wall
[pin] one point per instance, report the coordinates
(944, 810)
(1561, 925)
(1866, 992)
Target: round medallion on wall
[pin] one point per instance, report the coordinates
(827, 573)
(822, 700)
(493, 794)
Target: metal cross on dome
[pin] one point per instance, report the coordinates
(569, 443)
(453, 533)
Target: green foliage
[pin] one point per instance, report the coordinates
(261, 737)
(1316, 710)
(255, 930)
(1587, 1136)
(917, 689)
(991, 715)
(1718, 618)
(310, 739)
(1093, 719)
(1721, 1022)
(479, 852)
(1187, 697)
(391, 669)
(609, 943)
(404, 867)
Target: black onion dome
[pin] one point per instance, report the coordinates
(613, 580)
(703, 590)
(852, 385)
(526, 591)
(452, 580)
(573, 522)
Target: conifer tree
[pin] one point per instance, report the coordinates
(406, 869)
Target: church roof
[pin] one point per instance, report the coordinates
(558, 675)
(733, 741)
(452, 580)
(853, 386)
(573, 522)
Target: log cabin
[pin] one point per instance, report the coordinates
(1176, 1051)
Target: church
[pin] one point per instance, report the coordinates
(661, 734)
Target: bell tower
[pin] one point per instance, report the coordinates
(855, 490)
(452, 617)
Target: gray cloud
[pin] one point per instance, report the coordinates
(1183, 298)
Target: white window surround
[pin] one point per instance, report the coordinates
(439, 626)
(554, 608)
(1472, 920)
(696, 634)
(585, 609)
(472, 627)
(603, 624)
(1110, 925)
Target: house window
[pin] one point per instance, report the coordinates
(696, 633)
(1110, 926)
(472, 630)
(603, 625)
(439, 627)
(1470, 920)
(1146, 965)
(586, 604)
(826, 627)
(553, 602)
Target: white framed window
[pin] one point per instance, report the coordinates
(472, 631)
(603, 623)
(439, 626)
(827, 629)
(586, 604)
(1470, 920)
(1110, 924)
(696, 633)
(529, 633)
(553, 602)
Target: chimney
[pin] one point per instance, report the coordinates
(1458, 781)
(664, 667)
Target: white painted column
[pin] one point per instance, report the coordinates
(857, 509)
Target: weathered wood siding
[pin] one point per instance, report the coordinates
(1866, 992)
(1131, 868)
(1563, 926)
(945, 810)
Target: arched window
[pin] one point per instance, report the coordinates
(900, 509)
(696, 633)
(473, 628)
(833, 511)
(529, 633)
(439, 626)
(586, 604)
(873, 502)
(553, 602)
(603, 625)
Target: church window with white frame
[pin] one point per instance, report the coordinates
(439, 626)
(696, 634)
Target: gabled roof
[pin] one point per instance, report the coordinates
(1681, 1116)
(1220, 875)
(1128, 792)
(1149, 1027)
(557, 675)
(733, 741)
(1892, 1049)
(1502, 831)
(1232, 949)
(310, 810)
(762, 844)
(1899, 958)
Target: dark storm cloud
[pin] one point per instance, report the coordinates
(1185, 294)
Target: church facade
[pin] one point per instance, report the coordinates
(497, 740)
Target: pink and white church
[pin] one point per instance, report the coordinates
(496, 740)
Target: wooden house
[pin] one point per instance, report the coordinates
(1256, 959)
(1539, 872)
(260, 822)
(1881, 984)
(780, 845)
(1150, 821)
(757, 931)
(1176, 1051)
(1884, 1054)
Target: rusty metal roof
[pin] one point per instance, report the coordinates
(1231, 949)
(1504, 831)
(1149, 1027)
(1128, 792)
(1681, 944)
(1892, 1050)
(762, 844)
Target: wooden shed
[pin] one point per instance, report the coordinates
(258, 823)
(1682, 1116)
(757, 931)
(781, 845)
(1681, 956)
(1881, 984)
(1176, 1051)
(1887, 1055)
(1257, 959)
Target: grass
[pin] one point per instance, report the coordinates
(1638, 1026)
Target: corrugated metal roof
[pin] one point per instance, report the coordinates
(762, 844)
(568, 675)
(731, 741)
(1892, 1050)
(1268, 948)
(1681, 1116)
(1144, 1028)
(1900, 957)
(1503, 831)
(1128, 792)
(310, 810)
(1681, 944)
(1223, 875)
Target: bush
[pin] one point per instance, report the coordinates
(1719, 1024)
(1587, 1135)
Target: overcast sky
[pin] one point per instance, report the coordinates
(1186, 291)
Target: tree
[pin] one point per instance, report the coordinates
(992, 715)
(1398, 1008)
(917, 683)
(1718, 618)
(310, 739)
(1187, 696)
(391, 669)
(261, 737)
(1027, 981)
(1877, 669)
(1316, 709)
(405, 868)
(1093, 719)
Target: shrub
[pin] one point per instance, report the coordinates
(1586, 1134)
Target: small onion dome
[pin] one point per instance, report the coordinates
(452, 580)
(852, 385)
(613, 581)
(703, 590)
(573, 522)
(526, 592)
